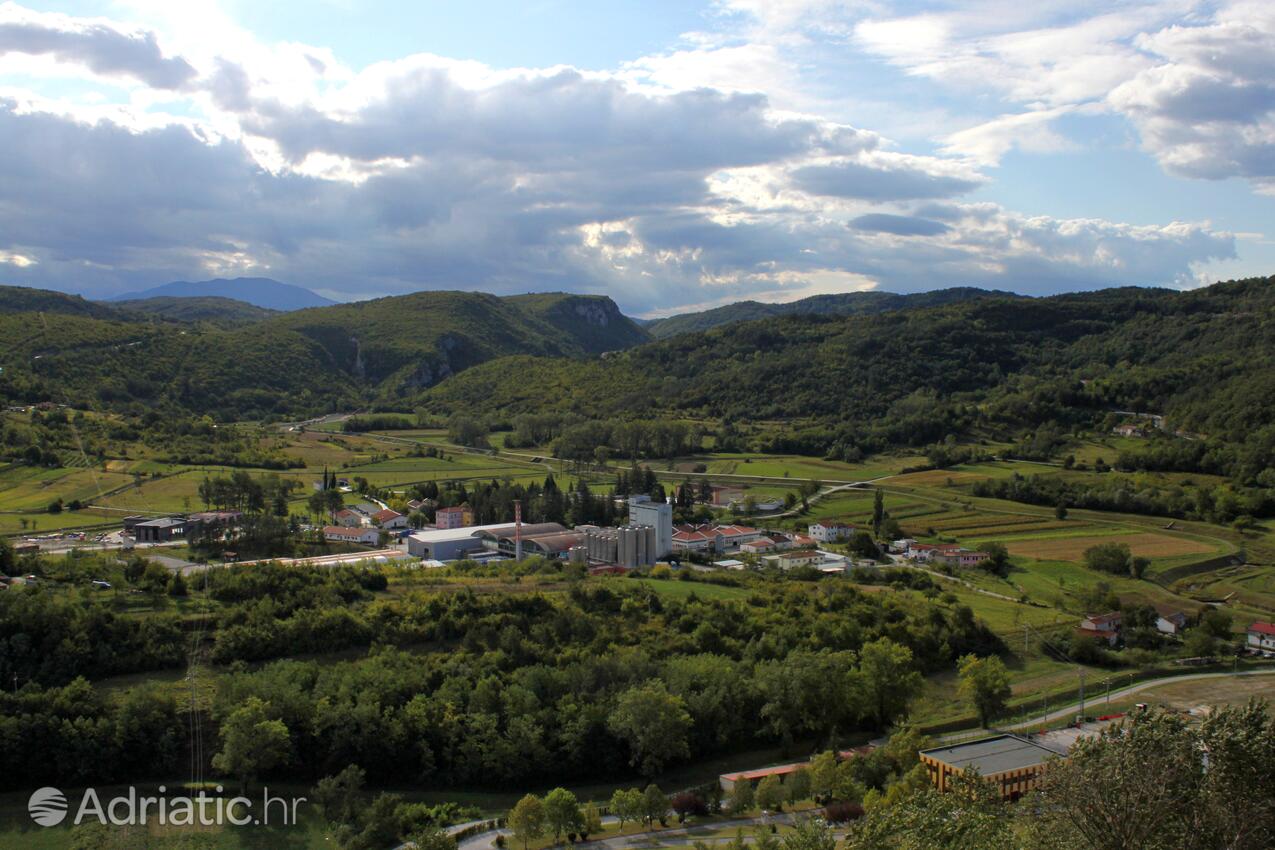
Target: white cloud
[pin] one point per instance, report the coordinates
(678, 179)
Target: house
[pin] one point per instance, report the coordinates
(456, 517)
(922, 553)
(347, 518)
(794, 559)
(341, 534)
(712, 538)
(731, 537)
(730, 564)
(1128, 431)
(1261, 638)
(1170, 620)
(830, 532)
(421, 504)
(1103, 622)
(725, 497)
(902, 545)
(389, 519)
(956, 556)
(759, 546)
(1104, 627)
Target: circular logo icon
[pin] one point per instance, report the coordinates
(47, 807)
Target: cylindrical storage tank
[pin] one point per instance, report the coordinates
(643, 553)
(652, 536)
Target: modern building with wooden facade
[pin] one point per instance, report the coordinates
(1014, 764)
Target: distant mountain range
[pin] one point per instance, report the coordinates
(840, 304)
(258, 291)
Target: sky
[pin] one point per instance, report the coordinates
(673, 156)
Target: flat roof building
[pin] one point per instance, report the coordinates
(1012, 763)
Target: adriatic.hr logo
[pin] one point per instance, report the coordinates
(47, 807)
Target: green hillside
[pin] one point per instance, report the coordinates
(237, 361)
(841, 304)
(402, 344)
(1205, 359)
(224, 312)
(22, 299)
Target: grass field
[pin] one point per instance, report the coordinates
(1072, 548)
(684, 589)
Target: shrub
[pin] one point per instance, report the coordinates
(688, 803)
(842, 812)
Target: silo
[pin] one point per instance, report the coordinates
(642, 553)
(652, 542)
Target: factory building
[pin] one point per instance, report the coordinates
(657, 515)
(629, 546)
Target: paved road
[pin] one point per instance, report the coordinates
(483, 840)
(1070, 711)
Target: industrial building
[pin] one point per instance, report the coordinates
(1013, 764)
(657, 515)
(162, 530)
(628, 546)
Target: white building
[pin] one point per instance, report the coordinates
(830, 532)
(340, 534)
(1261, 637)
(658, 515)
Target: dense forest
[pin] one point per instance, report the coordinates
(457, 687)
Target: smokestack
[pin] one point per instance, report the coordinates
(517, 529)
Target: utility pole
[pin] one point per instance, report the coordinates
(1107, 682)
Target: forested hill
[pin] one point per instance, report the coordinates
(226, 312)
(60, 348)
(405, 343)
(1204, 358)
(22, 299)
(841, 304)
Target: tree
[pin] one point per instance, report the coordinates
(655, 725)
(1109, 558)
(878, 512)
(252, 743)
(742, 797)
(654, 805)
(1149, 783)
(626, 805)
(562, 813)
(770, 794)
(1060, 510)
(527, 819)
(592, 821)
(1138, 567)
(985, 683)
(997, 560)
(970, 816)
(809, 834)
(432, 837)
(798, 785)
(337, 796)
(7, 557)
(886, 681)
(823, 774)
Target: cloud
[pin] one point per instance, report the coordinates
(869, 182)
(898, 225)
(1206, 108)
(429, 172)
(100, 47)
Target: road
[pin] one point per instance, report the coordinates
(1070, 711)
(483, 840)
